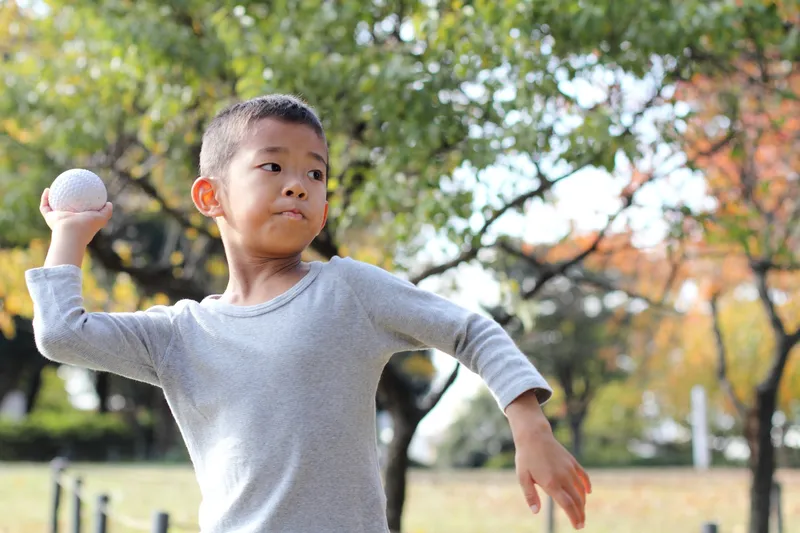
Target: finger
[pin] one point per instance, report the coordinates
(44, 203)
(580, 492)
(576, 483)
(570, 506)
(576, 492)
(587, 483)
(530, 492)
(107, 210)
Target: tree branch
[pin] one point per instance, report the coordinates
(601, 282)
(551, 271)
(717, 146)
(722, 365)
(433, 399)
(784, 267)
(673, 274)
(472, 252)
(463, 257)
(784, 233)
(144, 185)
(785, 345)
(759, 48)
(794, 338)
(395, 396)
(760, 271)
(748, 174)
(154, 279)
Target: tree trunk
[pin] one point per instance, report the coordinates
(101, 386)
(576, 429)
(32, 392)
(19, 358)
(8, 380)
(397, 469)
(165, 432)
(762, 458)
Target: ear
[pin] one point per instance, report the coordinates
(204, 196)
(324, 218)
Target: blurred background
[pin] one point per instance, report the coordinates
(616, 183)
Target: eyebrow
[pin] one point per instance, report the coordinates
(282, 150)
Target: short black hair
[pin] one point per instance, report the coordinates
(227, 129)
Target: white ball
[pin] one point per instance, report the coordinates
(77, 190)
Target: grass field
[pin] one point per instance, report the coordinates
(636, 501)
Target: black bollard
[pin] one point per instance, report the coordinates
(777, 507)
(160, 522)
(101, 516)
(76, 506)
(710, 527)
(58, 467)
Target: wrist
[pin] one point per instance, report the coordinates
(66, 248)
(69, 236)
(525, 415)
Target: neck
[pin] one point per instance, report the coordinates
(254, 280)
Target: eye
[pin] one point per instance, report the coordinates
(316, 175)
(271, 167)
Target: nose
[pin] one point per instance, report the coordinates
(294, 189)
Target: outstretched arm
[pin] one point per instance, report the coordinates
(128, 344)
(406, 318)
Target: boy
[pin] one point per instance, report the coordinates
(273, 382)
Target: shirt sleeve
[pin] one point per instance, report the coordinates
(128, 344)
(406, 317)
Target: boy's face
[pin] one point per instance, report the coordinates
(273, 203)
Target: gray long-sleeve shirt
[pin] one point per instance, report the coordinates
(276, 401)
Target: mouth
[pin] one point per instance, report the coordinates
(294, 214)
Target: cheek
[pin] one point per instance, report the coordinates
(321, 210)
(249, 203)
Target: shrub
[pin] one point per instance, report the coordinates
(80, 436)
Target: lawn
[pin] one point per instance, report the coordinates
(635, 501)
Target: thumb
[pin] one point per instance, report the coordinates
(530, 492)
(44, 202)
(107, 210)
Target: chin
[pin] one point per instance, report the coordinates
(283, 249)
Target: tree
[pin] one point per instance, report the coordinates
(21, 366)
(409, 93)
(745, 96)
(690, 356)
(581, 327)
(576, 340)
(477, 435)
(741, 86)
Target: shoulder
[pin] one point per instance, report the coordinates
(367, 280)
(173, 311)
(358, 272)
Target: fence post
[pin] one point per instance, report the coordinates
(709, 527)
(58, 467)
(76, 506)
(101, 517)
(551, 515)
(160, 522)
(776, 505)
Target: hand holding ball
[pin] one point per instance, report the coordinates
(75, 206)
(78, 190)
